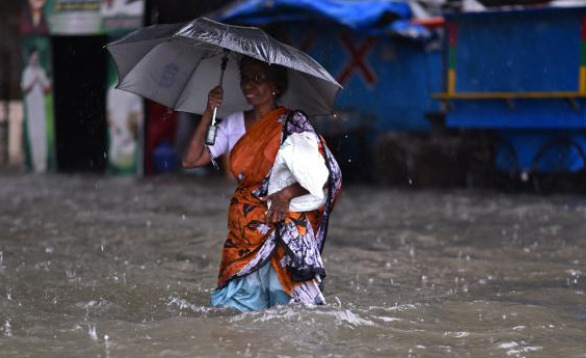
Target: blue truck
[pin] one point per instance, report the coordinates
(515, 83)
(489, 98)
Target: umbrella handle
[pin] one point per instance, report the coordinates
(211, 135)
(214, 116)
(212, 128)
(223, 66)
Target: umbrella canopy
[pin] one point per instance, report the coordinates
(177, 65)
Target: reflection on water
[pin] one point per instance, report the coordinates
(118, 267)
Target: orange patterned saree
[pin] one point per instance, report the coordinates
(293, 246)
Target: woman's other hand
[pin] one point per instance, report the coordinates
(215, 98)
(279, 206)
(280, 202)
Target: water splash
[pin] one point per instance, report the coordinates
(70, 273)
(299, 313)
(184, 305)
(458, 334)
(107, 345)
(514, 349)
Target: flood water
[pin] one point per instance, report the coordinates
(121, 267)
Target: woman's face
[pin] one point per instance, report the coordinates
(255, 85)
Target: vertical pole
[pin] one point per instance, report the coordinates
(4, 96)
(453, 40)
(150, 16)
(582, 73)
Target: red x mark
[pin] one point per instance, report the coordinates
(357, 61)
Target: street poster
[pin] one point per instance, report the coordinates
(36, 86)
(124, 114)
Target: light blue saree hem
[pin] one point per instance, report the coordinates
(259, 290)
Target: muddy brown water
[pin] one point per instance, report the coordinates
(121, 267)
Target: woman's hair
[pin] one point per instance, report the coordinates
(276, 73)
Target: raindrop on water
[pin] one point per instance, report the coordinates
(7, 328)
(70, 273)
(93, 333)
(107, 344)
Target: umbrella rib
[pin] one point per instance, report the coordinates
(268, 45)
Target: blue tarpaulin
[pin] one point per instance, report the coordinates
(370, 17)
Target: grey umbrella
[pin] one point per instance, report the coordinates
(177, 65)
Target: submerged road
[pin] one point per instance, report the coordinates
(120, 267)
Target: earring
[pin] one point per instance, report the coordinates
(274, 93)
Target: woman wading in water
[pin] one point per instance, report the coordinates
(288, 182)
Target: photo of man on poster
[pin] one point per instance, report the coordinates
(35, 86)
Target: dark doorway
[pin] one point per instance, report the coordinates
(79, 64)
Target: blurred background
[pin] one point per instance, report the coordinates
(437, 93)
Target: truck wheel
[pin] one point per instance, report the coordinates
(560, 152)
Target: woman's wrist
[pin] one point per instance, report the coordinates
(208, 112)
(287, 194)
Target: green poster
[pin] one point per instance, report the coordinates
(124, 113)
(74, 17)
(119, 16)
(36, 86)
(89, 17)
